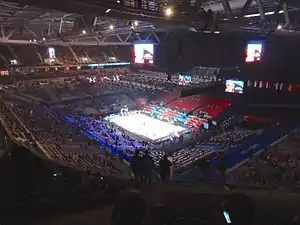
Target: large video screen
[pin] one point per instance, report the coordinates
(184, 79)
(143, 53)
(234, 86)
(51, 52)
(254, 50)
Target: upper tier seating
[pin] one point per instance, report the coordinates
(230, 137)
(61, 142)
(279, 166)
(216, 107)
(170, 96)
(196, 122)
(166, 114)
(190, 103)
(186, 103)
(187, 156)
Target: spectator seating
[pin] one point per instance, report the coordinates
(171, 96)
(63, 143)
(214, 108)
(278, 167)
(187, 104)
(230, 137)
(187, 156)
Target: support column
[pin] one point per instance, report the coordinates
(38, 54)
(227, 9)
(246, 6)
(286, 14)
(4, 59)
(73, 53)
(49, 28)
(60, 25)
(12, 52)
(261, 10)
(156, 37)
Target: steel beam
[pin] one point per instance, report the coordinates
(148, 36)
(62, 43)
(11, 33)
(73, 53)
(227, 9)
(128, 36)
(2, 32)
(286, 14)
(9, 5)
(261, 10)
(49, 28)
(156, 37)
(31, 32)
(282, 5)
(9, 47)
(119, 38)
(246, 6)
(4, 59)
(38, 54)
(60, 25)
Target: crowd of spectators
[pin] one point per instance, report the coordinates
(61, 142)
(105, 92)
(231, 137)
(98, 98)
(19, 132)
(277, 167)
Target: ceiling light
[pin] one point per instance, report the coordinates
(83, 31)
(135, 23)
(108, 10)
(266, 13)
(279, 27)
(118, 1)
(168, 12)
(111, 27)
(34, 40)
(44, 39)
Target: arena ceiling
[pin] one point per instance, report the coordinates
(29, 24)
(111, 22)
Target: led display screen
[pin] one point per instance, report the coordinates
(143, 53)
(254, 50)
(184, 79)
(51, 52)
(234, 86)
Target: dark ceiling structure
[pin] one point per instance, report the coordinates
(118, 22)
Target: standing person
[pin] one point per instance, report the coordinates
(135, 165)
(221, 167)
(148, 165)
(204, 168)
(165, 169)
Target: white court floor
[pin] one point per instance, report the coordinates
(143, 125)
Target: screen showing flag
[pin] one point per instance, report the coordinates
(254, 51)
(51, 52)
(143, 53)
